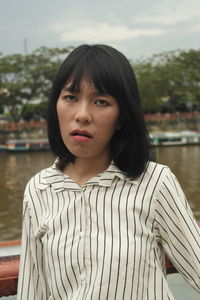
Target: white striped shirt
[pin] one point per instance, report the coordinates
(108, 239)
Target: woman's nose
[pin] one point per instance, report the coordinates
(83, 114)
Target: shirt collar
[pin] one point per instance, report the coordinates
(59, 181)
(108, 175)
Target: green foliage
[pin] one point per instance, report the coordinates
(34, 112)
(167, 82)
(147, 83)
(27, 78)
(170, 81)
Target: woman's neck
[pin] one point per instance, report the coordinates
(84, 169)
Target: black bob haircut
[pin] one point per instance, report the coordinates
(110, 72)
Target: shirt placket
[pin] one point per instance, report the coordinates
(82, 238)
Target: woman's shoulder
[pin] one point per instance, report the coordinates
(153, 171)
(155, 165)
(156, 170)
(43, 179)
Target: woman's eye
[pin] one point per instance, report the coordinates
(69, 98)
(102, 102)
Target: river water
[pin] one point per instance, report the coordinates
(17, 168)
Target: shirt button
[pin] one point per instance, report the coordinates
(82, 275)
(81, 234)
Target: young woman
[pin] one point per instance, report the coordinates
(98, 223)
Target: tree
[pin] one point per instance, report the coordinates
(190, 63)
(35, 111)
(170, 81)
(147, 83)
(25, 78)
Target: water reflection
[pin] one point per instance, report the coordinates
(16, 169)
(185, 163)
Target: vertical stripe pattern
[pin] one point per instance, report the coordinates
(108, 239)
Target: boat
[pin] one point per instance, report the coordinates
(184, 137)
(16, 145)
(3, 147)
(10, 247)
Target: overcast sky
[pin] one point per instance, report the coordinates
(138, 28)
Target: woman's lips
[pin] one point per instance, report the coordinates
(81, 135)
(81, 138)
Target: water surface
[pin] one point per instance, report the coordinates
(17, 168)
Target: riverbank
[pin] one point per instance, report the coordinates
(22, 130)
(155, 122)
(173, 122)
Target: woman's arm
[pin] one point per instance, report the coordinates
(32, 280)
(177, 230)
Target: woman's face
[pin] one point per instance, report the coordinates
(87, 120)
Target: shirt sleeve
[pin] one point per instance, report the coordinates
(176, 229)
(32, 280)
